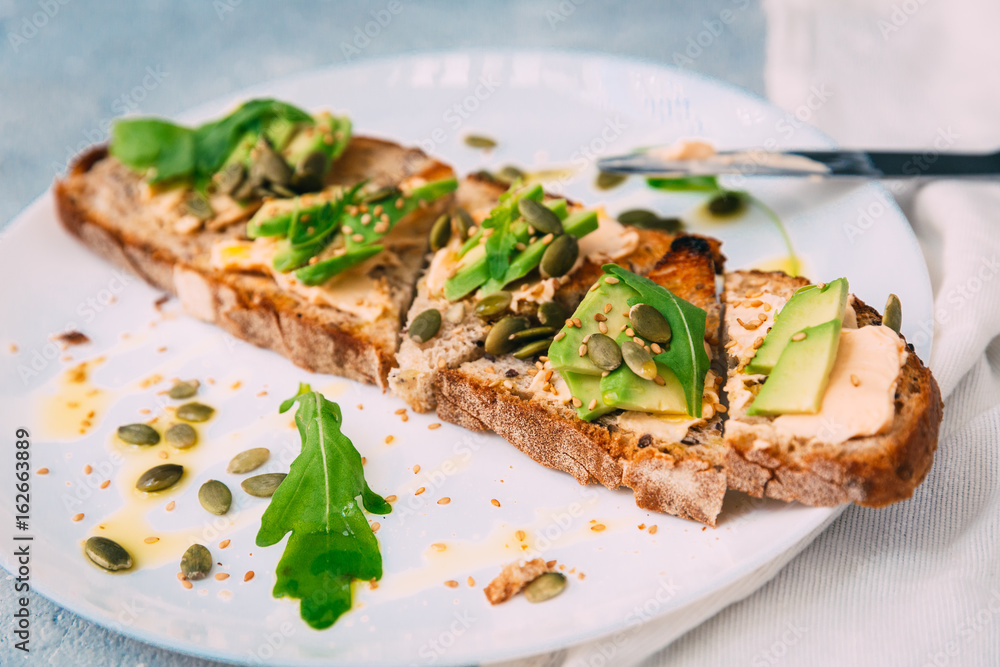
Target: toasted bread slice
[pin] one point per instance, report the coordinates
(678, 469)
(819, 468)
(353, 332)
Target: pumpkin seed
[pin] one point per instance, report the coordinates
(638, 360)
(607, 180)
(230, 178)
(560, 256)
(309, 172)
(268, 166)
(463, 223)
(638, 217)
(510, 173)
(493, 305)
(181, 436)
(649, 323)
(184, 389)
(281, 191)
(532, 349)
(248, 461)
(531, 333)
(604, 352)
(440, 232)
(195, 204)
(545, 587)
(263, 486)
(107, 554)
(479, 141)
(138, 434)
(244, 190)
(196, 562)
(425, 325)
(381, 194)
(552, 314)
(726, 203)
(195, 412)
(160, 477)
(215, 497)
(893, 317)
(456, 313)
(540, 217)
(498, 341)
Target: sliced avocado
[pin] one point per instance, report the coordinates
(559, 207)
(565, 353)
(808, 307)
(587, 388)
(626, 390)
(474, 274)
(798, 381)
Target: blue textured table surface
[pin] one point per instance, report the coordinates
(68, 67)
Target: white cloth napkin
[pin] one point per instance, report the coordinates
(917, 583)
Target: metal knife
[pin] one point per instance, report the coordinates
(865, 164)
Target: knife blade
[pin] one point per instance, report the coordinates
(857, 163)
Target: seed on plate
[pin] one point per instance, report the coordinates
(539, 216)
(181, 436)
(649, 323)
(107, 554)
(391, 499)
(433, 426)
(221, 576)
(78, 517)
(263, 486)
(87, 469)
(196, 562)
(160, 477)
(493, 305)
(496, 503)
(479, 141)
(545, 587)
(598, 527)
(183, 389)
(138, 434)
(444, 501)
(223, 544)
(248, 461)
(105, 483)
(607, 180)
(195, 412)
(248, 576)
(510, 173)
(604, 352)
(419, 491)
(451, 583)
(43, 471)
(855, 380)
(151, 540)
(170, 506)
(376, 526)
(215, 497)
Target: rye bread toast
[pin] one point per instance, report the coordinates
(110, 209)
(873, 470)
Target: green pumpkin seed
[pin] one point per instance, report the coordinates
(282, 191)
(263, 486)
(196, 562)
(248, 461)
(531, 333)
(463, 223)
(638, 217)
(493, 305)
(510, 173)
(138, 434)
(638, 360)
(381, 194)
(181, 436)
(479, 141)
(160, 477)
(440, 232)
(309, 172)
(107, 554)
(268, 166)
(532, 349)
(184, 389)
(726, 203)
(560, 256)
(604, 352)
(649, 324)
(607, 180)
(245, 190)
(425, 325)
(498, 342)
(893, 317)
(552, 314)
(230, 178)
(540, 217)
(545, 587)
(196, 205)
(215, 497)
(195, 412)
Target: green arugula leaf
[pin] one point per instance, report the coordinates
(686, 355)
(331, 543)
(686, 184)
(165, 149)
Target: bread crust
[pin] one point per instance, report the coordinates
(244, 306)
(873, 471)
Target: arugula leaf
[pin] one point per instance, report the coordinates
(686, 184)
(501, 242)
(686, 355)
(166, 149)
(331, 543)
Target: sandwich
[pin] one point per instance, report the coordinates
(279, 226)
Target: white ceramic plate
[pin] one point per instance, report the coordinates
(546, 110)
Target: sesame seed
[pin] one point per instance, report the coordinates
(598, 527)
(592, 404)
(758, 342)
(799, 336)
(586, 339)
(385, 218)
(719, 407)
(451, 583)
(652, 529)
(389, 439)
(600, 317)
(87, 469)
(611, 280)
(520, 535)
(577, 402)
(547, 239)
(656, 349)
(583, 350)
(444, 501)
(855, 380)
(629, 332)
(762, 317)
(547, 376)
(223, 544)
(248, 576)
(570, 323)
(659, 380)
(577, 322)
(496, 503)
(559, 336)
(361, 406)
(105, 483)
(595, 286)
(78, 517)
(358, 238)
(375, 526)
(487, 231)
(378, 210)
(754, 295)
(730, 345)
(607, 308)
(43, 471)
(520, 246)
(756, 303)
(221, 576)
(381, 227)
(602, 327)
(400, 202)
(163, 454)
(390, 499)
(821, 286)
(767, 307)
(416, 469)
(187, 584)
(434, 426)
(170, 506)
(151, 540)
(471, 581)
(419, 491)
(400, 411)
(439, 546)
(346, 229)
(639, 341)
